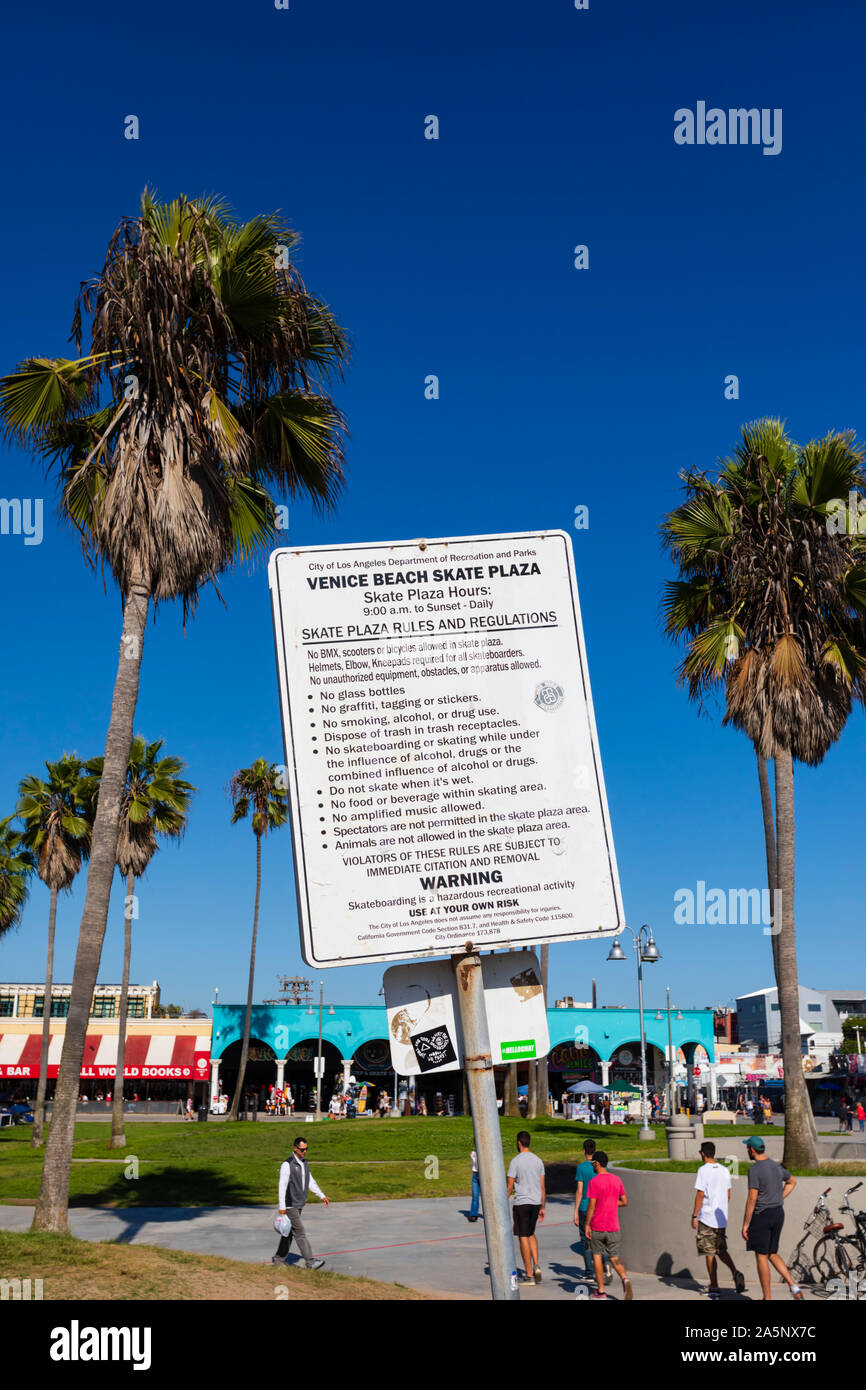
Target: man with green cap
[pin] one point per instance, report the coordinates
(769, 1185)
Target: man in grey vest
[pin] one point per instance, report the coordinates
(296, 1180)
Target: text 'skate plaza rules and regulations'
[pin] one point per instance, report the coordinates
(443, 768)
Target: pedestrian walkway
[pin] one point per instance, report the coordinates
(425, 1244)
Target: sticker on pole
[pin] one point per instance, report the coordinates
(434, 1049)
(442, 762)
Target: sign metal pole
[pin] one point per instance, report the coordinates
(478, 1064)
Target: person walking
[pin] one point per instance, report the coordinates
(296, 1181)
(476, 1187)
(584, 1174)
(606, 1195)
(861, 1115)
(605, 1106)
(710, 1217)
(769, 1185)
(843, 1115)
(527, 1184)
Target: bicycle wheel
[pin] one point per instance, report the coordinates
(831, 1260)
(854, 1253)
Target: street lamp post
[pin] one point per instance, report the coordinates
(645, 950)
(319, 1054)
(670, 1066)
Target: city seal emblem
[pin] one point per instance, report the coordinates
(549, 695)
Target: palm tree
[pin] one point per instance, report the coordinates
(57, 828)
(772, 602)
(200, 402)
(16, 866)
(510, 1099)
(258, 789)
(155, 802)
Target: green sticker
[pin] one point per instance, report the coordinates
(513, 1051)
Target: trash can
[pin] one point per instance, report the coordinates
(680, 1131)
(202, 1112)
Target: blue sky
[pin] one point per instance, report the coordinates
(558, 387)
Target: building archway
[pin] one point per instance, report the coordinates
(299, 1072)
(569, 1062)
(261, 1069)
(625, 1065)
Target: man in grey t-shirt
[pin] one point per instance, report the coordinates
(526, 1182)
(769, 1185)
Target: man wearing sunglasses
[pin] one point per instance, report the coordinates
(296, 1180)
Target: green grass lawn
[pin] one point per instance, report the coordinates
(237, 1164)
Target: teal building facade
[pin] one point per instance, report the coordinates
(601, 1045)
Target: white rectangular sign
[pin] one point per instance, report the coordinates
(443, 769)
(423, 1024)
(515, 1007)
(424, 1017)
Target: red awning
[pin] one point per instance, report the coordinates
(148, 1056)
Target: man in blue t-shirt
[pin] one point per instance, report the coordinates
(584, 1174)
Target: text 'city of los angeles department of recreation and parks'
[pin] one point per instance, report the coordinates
(443, 769)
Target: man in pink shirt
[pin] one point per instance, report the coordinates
(606, 1195)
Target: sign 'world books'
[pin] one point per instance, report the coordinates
(442, 760)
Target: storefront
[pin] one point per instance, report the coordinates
(164, 1063)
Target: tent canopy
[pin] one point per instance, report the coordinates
(587, 1088)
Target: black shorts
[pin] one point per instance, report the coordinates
(765, 1228)
(525, 1219)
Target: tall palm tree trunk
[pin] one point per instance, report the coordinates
(770, 846)
(510, 1104)
(532, 1090)
(118, 1134)
(799, 1141)
(543, 1082)
(245, 1045)
(39, 1113)
(53, 1200)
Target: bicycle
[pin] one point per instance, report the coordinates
(834, 1255)
(858, 1239)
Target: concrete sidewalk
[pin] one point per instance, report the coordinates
(423, 1243)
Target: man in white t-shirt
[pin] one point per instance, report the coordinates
(710, 1217)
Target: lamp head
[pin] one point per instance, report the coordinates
(650, 951)
(616, 952)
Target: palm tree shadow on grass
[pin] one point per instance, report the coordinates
(138, 1202)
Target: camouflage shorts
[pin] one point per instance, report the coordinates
(712, 1240)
